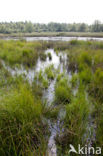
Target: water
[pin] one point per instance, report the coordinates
(59, 61)
(41, 65)
(29, 74)
(90, 135)
(48, 94)
(53, 38)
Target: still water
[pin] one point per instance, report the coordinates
(54, 38)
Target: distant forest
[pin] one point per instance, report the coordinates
(29, 27)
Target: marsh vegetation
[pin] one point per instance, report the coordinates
(51, 96)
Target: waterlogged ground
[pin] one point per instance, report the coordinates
(59, 62)
(65, 88)
(54, 38)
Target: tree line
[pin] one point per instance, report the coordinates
(29, 27)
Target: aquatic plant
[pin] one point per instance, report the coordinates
(50, 56)
(74, 80)
(85, 58)
(5, 77)
(59, 76)
(23, 115)
(85, 76)
(75, 123)
(50, 72)
(43, 56)
(95, 87)
(62, 91)
(99, 125)
(21, 126)
(41, 80)
(1, 64)
(21, 52)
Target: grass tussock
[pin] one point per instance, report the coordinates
(75, 123)
(62, 91)
(23, 114)
(21, 128)
(21, 52)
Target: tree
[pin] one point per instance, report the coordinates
(96, 27)
(82, 27)
(29, 27)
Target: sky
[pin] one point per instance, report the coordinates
(45, 11)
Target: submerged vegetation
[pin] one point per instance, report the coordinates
(64, 96)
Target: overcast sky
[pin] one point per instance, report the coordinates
(44, 11)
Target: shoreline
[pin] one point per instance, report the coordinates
(54, 34)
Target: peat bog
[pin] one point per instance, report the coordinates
(51, 96)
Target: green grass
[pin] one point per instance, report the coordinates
(96, 88)
(21, 52)
(74, 80)
(50, 34)
(62, 91)
(21, 126)
(23, 113)
(75, 123)
(85, 76)
(86, 58)
(49, 56)
(41, 79)
(43, 56)
(50, 72)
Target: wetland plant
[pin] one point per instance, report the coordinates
(74, 80)
(50, 56)
(75, 123)
(41, 80)
(21, 126)
(50, 72)
(21, 52)
(43, 56)
(85, 76)
(96, 86)
(62, 91)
